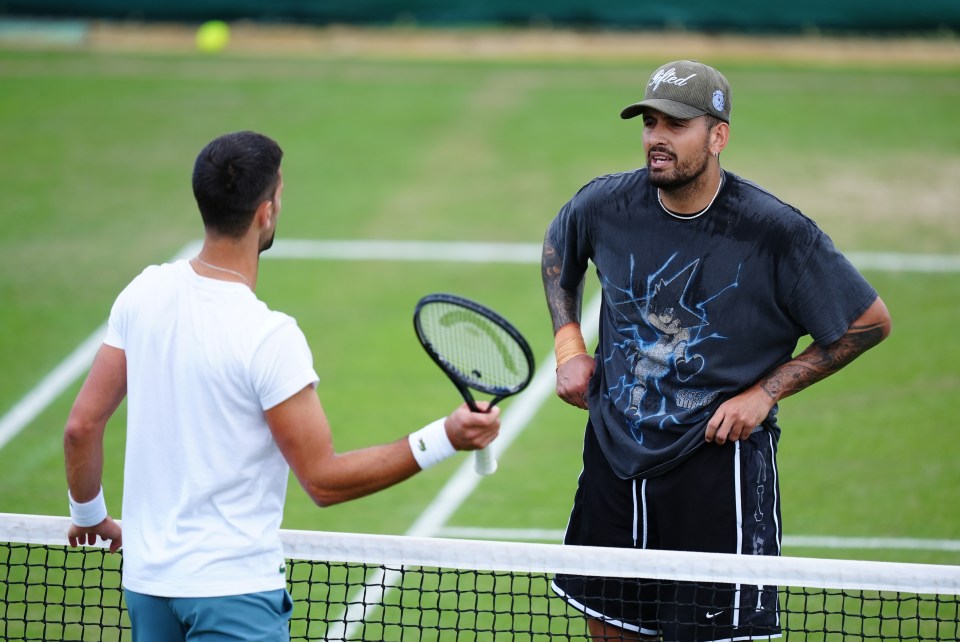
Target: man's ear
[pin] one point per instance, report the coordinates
(719, 137)
(264, 213)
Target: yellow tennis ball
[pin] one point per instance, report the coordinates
(213, 36)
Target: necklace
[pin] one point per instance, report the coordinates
(701, 212)
(217, 267)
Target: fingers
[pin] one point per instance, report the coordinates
(484, 439)
(724, 427)
(76, 536)
(738, 417)
(81, 538)
(573, 395)
(573, 378)
(577, 399)
(488, 414)
(721, 428)
(470, 430)
(482, 406)
(110, 532)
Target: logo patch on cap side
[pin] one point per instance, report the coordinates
(718, 100)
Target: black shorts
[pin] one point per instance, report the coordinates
(722, 499)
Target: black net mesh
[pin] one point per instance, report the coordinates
(52, 592)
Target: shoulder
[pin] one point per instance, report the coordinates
(613, 184)
(752, 194)
(275, 326)
(596, 198)
(152, 281)
(280, 346)
(154, 275)
(774, 212)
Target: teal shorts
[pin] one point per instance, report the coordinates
(252, 616)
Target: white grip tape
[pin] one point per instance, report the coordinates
(484, 461)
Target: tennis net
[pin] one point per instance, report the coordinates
(372, 587)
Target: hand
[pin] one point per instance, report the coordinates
(470, 430)
(737, 417)
(107, 530)
(573, 377)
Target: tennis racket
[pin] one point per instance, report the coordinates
(477, 349)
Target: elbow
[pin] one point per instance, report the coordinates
(875, 323)
(323, 500)
(885, 322)
(77, 433)
(325, 496)
(322, 481)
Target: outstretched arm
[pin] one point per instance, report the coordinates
(737, 417)
(300, 428)
(574, 364)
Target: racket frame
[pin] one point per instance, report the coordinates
(485, 463)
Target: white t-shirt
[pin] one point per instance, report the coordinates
(204, 481)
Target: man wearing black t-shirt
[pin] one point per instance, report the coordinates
(708, 284)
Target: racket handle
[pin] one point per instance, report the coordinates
(484, 461)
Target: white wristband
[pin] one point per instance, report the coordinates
(430, 444)
(88, 513)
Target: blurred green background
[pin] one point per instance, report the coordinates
(98, 148)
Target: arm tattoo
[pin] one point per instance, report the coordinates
(818, 362)
(564, 304)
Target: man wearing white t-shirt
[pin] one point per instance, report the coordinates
(221, 405)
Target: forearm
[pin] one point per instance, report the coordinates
(574, 364)
(362, 472)
(83, 456)
(303, 435)
(84, 464)
(99, 397)
(819, 362)
(564, 305)
(737, 417)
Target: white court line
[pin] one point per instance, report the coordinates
(892, 543)
(893, 262)
(515, 419)
(464, 480)
(479, 252)
(457, 252)
(76, 363)
(60, 378)
(366, 599)
(50, 387)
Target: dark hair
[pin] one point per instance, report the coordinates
(712, 121)
(232, 176)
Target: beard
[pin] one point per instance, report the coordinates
(267, 243)
(684, 173)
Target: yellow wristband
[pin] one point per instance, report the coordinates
(568, 343)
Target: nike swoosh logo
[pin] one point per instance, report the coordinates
(710, 616)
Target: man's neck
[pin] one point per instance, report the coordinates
(227, 260)
(694, 198)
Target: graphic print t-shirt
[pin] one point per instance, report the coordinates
(695, 310)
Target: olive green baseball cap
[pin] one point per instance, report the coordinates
(685, 89)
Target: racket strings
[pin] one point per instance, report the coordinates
(485, 355)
